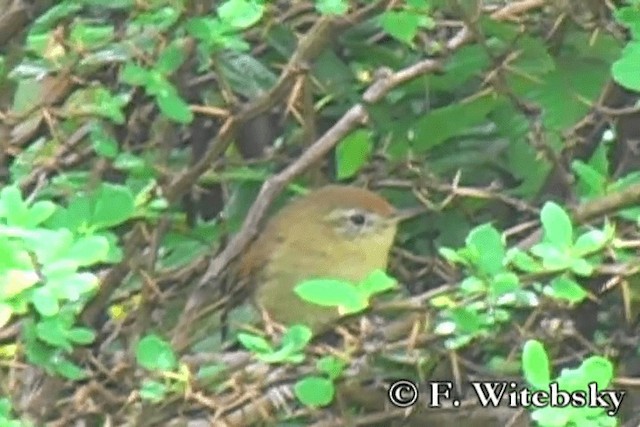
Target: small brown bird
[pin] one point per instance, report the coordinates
(335, 232)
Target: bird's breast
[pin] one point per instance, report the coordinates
(292, 262)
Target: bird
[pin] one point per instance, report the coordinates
(339, 232)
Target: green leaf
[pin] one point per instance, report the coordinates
(74, 285)
(5, 314)
(336, 78)
(19, 305)
(134, 74)
(332, 7)
(240, 14)
(38, 43)
(104, 144)
(503, 284)
(174, 107)
(558, 229)
(11, 256)
(158, 85)
(352, 153)
(202, 28)
(535, 365)
(572, 379)
(54, 14)
(5, 407)
(377, 282)
(39, 212)
(44, 301)
(111, 54)
(629, 16)
(89, 37)
(626, 181)
(582, 267)
(115, 251)
(520, 157)
(462, 65)
(131, 163)
(293, 342)
(441, 124)
(332, 293)
(598, 369)
(297, 337)
(245, 74)
(458, 341)
(97, 101)
(53, 332)
(566, 289)
(69, 369)
(153, 391)
(171, 58)
(401, 25)
(28, 94)
(553, 258)
(49, 245)
(114, 204)
(13, 207)
(487, 242)
(573, 77)
(88, 250)
(14, 281)
(553, 416)
(533, 56)
(254, 343)
(211, 371)
(314, 391)
(59, 268)
(523, 261)
(473, 285)
(452, 256)
(160, 19)
(36, 351)
(599, 161)
(81, 335)
(154, 353)
(466, 320)
(332, 366)
(182, 253)
(625, 70)
(589, 242)
(590, 181)
(284, 354)
(216, 34)
(75, 216)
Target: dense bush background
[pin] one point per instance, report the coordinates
(136, 136)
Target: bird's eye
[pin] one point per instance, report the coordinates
(357, 219)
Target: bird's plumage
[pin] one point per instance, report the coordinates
(285, 253)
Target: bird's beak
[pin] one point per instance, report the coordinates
(408, 213)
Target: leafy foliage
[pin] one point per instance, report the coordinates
(494, 273)
(349, 298)
(594, 370)
(136, 135)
